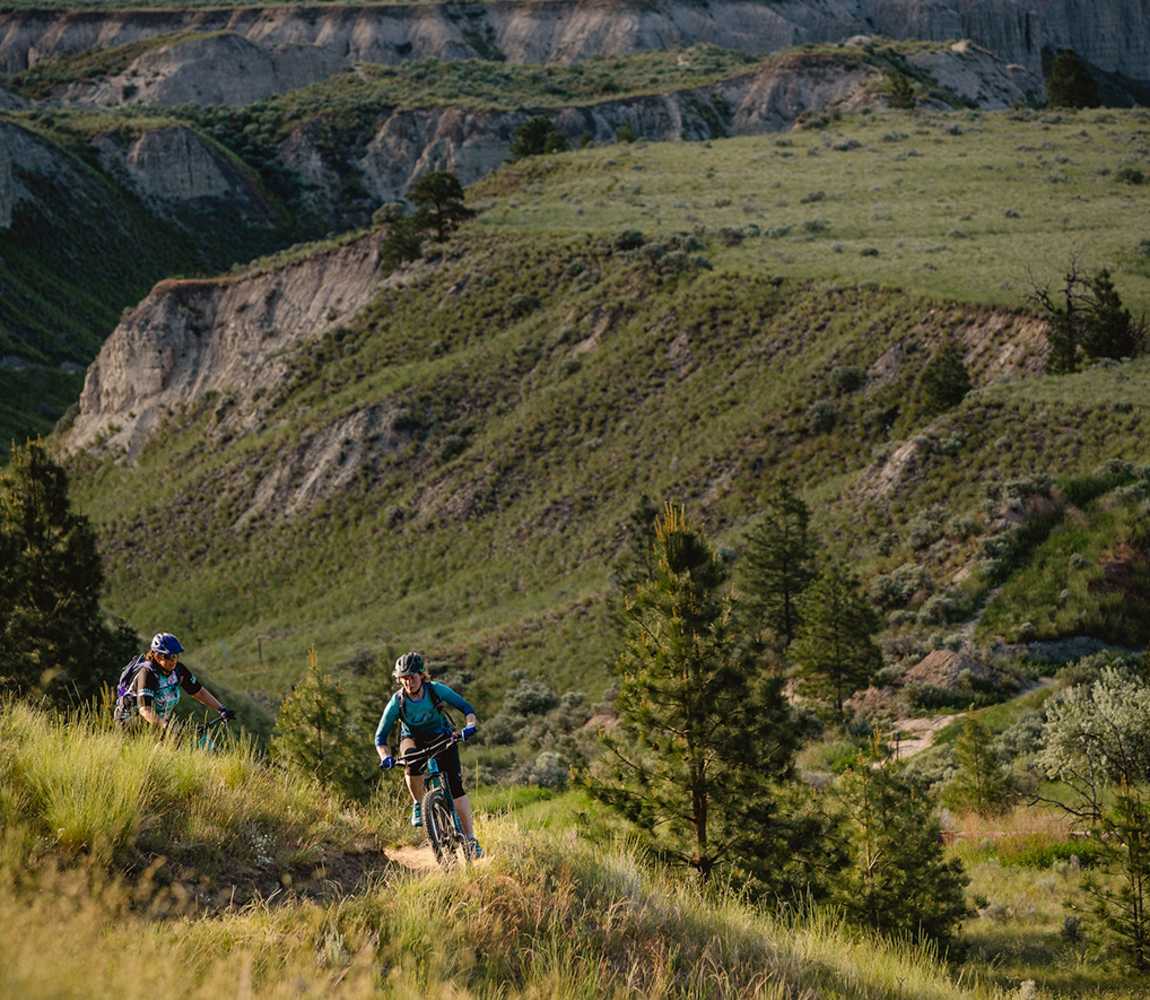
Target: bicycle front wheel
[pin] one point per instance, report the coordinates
(448, 844)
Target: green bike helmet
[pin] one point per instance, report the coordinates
(408, 664)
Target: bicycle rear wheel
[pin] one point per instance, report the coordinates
(446, 842)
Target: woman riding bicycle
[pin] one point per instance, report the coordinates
(416, 707)
(152, 684)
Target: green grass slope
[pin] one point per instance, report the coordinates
(547, 369)
(545, 915)
(971, 206)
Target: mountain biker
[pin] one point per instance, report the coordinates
(154, 680)
(416, 707)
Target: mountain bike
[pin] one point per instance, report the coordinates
(211, 736)
(440, 820)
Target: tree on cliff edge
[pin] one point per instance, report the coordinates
(438, 201)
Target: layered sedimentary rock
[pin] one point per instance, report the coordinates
(296, 43)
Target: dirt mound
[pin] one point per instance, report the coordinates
(945, 668)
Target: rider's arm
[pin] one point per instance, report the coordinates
(456, 701)
(205, 697)
(387, 723)
(193, 687)
(145, 688)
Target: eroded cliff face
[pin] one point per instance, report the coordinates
(24, 153)
(228, 336)
(408, 143)
(174, 170)
(295, 43)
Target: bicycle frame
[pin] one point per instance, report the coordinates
(446, 838)
(207, 737)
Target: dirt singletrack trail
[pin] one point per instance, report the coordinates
(917, 735)
(416, 859)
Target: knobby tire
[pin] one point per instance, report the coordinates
(447, 843)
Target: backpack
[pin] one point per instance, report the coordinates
(125, 706)
(436, 703)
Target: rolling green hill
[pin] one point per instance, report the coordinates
(524, 387)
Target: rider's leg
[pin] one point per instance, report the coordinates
(414, 781)
(450, 765)
(463, 807)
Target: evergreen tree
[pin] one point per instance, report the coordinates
(535, 137)
(833, 650)
(53, 637)
(313, 734)
(898, 880)
(900, 91)
(945, 380)
(1120, 902)
(1109, 331)
(780, 562)
(981, 785)
(702, 741)
(1069, 83)
(401, 243)
(438, 200)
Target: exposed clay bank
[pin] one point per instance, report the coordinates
(1112, 34)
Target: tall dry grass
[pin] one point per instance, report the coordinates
(548, 914)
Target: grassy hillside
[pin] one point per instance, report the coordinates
(552, 365)
(547, 915)
(969, 206)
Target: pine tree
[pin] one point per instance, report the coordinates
(312, 734)
(1120, 902)
(54, 640)
(945, 380)
(1069, 83)
(701, 739)
(438, 200)
(1109, 330)
(900, 91)
(535, 137)
(981, 785)
(898, 881)
(833, 649)
(780, 562)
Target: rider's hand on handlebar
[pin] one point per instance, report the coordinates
(387, 763)
(468, 732)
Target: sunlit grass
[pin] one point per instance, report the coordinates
(930, 192)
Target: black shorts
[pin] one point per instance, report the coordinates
(447, 760)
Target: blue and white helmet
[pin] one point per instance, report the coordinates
(167, 644)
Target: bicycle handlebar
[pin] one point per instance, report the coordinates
(420, 756)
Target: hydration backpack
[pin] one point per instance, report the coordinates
(436, 703)
(125, 697)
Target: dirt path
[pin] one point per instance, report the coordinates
(917, 735)
(417, 859)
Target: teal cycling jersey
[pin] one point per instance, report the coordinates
(420, 716)
(152, 687)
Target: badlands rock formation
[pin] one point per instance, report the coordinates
(409, 142)
(296, 43)
(191, 338)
